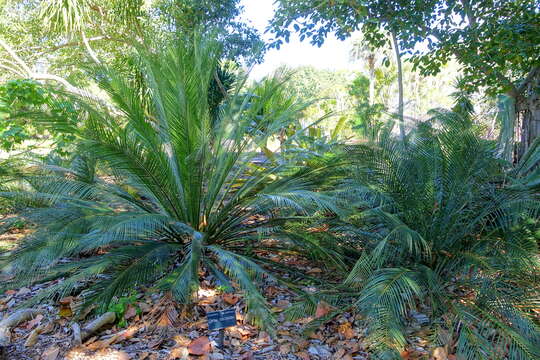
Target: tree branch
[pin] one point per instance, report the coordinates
(73, 43)
(15, 57)
(89, 49)
(44, 76)
(12, 70)
(535, 71)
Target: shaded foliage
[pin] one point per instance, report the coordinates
(444, 232)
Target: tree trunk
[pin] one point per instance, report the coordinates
(400, 87)
(528, 112)
(507, 120)
(371, 63)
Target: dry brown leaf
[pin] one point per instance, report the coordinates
(181, 340)
(208, 300)
(440, 353)
(354, 347)
(272, 290)
(405, 354)
(200, 346)
(32, 338)
(247, 356)
(346, 330)
(180, 352)
(302, 344)
(322, 309)
(35, 321)
(263, 338)
(131, 312)
(285, 348)
(65, 311)
(164, 320)
(240, 332)
(338, 355)
(51, 353)
(66, 301)
(303, 355)
(230, 299)
(156, 343)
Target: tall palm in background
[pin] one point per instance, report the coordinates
(362, 51)
(448, 240)
(164, 188)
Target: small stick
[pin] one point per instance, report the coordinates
(95, 325)
(221, 339)
(33, 337)
(13, 320)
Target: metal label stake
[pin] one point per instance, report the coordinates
(220, 320)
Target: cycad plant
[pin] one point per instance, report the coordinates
(163, 190)
(447, 244)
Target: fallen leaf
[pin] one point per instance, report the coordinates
(200, 346)
(263, 338)
(240, 332)
(164, 320)
(314, 271)
(285, 348)
(355, 347)
(51, 353)
(65, 311)
(35, 321)
(230, 299)
(131, 312)
(179, 353)
(405, 354)
(338, 355)
(271, 291)
(10, 292)
(66, 301)
(247, 356)
(440, 353)
(303, 355)
(346, 330)
(181, 340)
(322, 309)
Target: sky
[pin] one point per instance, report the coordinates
(334, 54)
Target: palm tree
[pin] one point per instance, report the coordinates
(361, 50)
(447, 240)
(162, 190)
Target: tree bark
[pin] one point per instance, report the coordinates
(371, 64)
(528, 111)
(401, 117)
(507, 119)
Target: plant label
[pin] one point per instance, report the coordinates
(221, 319)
